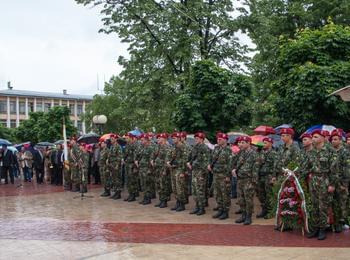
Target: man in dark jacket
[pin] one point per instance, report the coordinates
(57, 164)
(7, 162)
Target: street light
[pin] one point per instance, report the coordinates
(99, 121)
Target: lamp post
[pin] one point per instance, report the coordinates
(99, 121)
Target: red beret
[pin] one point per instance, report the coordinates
(114, 136)
(288, 131)
(176, 135)
(200, 135)
(325, 133)
(347, 135)
(268, 139)
(222, 136)
(162, 135)
(144, 136)
(244, 138)
(183, 134)
(306, 135)
(337, 132)
(319, 132)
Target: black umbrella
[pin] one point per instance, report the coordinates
(45, 144)
(90, 138)
(5, 142)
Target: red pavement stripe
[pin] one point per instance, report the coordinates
(186, 234)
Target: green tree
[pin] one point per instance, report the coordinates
(45, 126)
(312, 66)
(214, 100)
(7, 133)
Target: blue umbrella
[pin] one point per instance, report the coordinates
(136, 132)
(328, 128)
(4, 141)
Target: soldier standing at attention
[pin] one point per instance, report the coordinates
(114, 163)
(188, 177)
(130, 167)
(341, 192)
(324, 163)
(220, 167)
(143, 162)
(245, 168)
(159, 162)
(75, 164)
(84, 165)
(267, 158)
(104, 171)
(199, 166)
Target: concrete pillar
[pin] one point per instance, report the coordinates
(27, 116)
(17, 111)
(8, 122)
(34, 108)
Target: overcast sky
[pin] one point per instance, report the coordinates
(51, 45)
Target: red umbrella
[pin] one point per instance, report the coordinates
(105, 137)
(264, 130)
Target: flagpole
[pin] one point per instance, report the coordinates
(65, 148)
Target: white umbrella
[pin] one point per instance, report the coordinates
(344, 93)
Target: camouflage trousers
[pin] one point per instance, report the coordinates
(173, 181)
(222, 191)
(105, 177)
(132, 174)
(67, 177)
(75, 176)
(148, 181)
(162, 183)
(340, 202)
(264, 192)
(318, 187)
(180, 176)
(245, 190)
(116, 178)
(199, 186)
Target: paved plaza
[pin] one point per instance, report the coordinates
(44, 222)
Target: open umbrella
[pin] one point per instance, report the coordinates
(258, 140)
(4, 141)
(45, 144)
(90, 138)
(136, 132)
(232, 136)
(277, 141)
(278, 128)
(19, 146)
(105, 137)
(328, 128)
(264, 130)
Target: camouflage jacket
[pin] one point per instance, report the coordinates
(85, 157)
(303, 163)
(324, 163)
(115, 155)
(178, 157)
(246, 164)
(343, 170)
(220, 161)
(200, 156)
(74, 155)
(144, 155)
(102, 162)
(285, 156)
(267, 160)
(130, 153)
(160, 155)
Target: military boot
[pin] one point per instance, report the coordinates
(224, 215)
(147, 201)
(144, 199)
(127, 199)
(216, 208)
(219, 213)
(201, 211)
(195, 210)
(262, 214)
(238, 211)
(248, 219)
(131, 198)
(106, 193)
(164, 204)
(176, 205)
(117, 195)
(75, 188)
(322, 234)
(84, 189)
(241, 219)
(114, 196)
(181, 207)
(312, 234)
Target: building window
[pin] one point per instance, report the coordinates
(47, 107)
(3, 122)
(30, 107)
(13, 123)
(56, 104)
(3, 107)
(13, 107)
(71, 108)
(22, 108)
(79, 109)
(80, 126)
(39, 106)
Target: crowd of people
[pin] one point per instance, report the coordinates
(166, 165)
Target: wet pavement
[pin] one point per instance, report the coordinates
(38, 217)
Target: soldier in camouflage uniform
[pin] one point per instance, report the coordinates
(288, 152)
(341, 192)
(115, 156)
(143, 162)
(67, 171)
(199, 166)
(84, 165)
(177, 163)
(304, 157)
(75, 165)
(323, 165)
(130, 167)
(220, 167)
(104, 171)
(188, 177)
(267, 158)
(246, 166)
(159, 161)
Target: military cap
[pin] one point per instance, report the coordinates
(222, 136)
(244, 138)
(319, 132)
(200, 135)
(288, 131)
(306, 135)
(267, 139)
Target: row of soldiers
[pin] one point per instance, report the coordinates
(165, 169)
